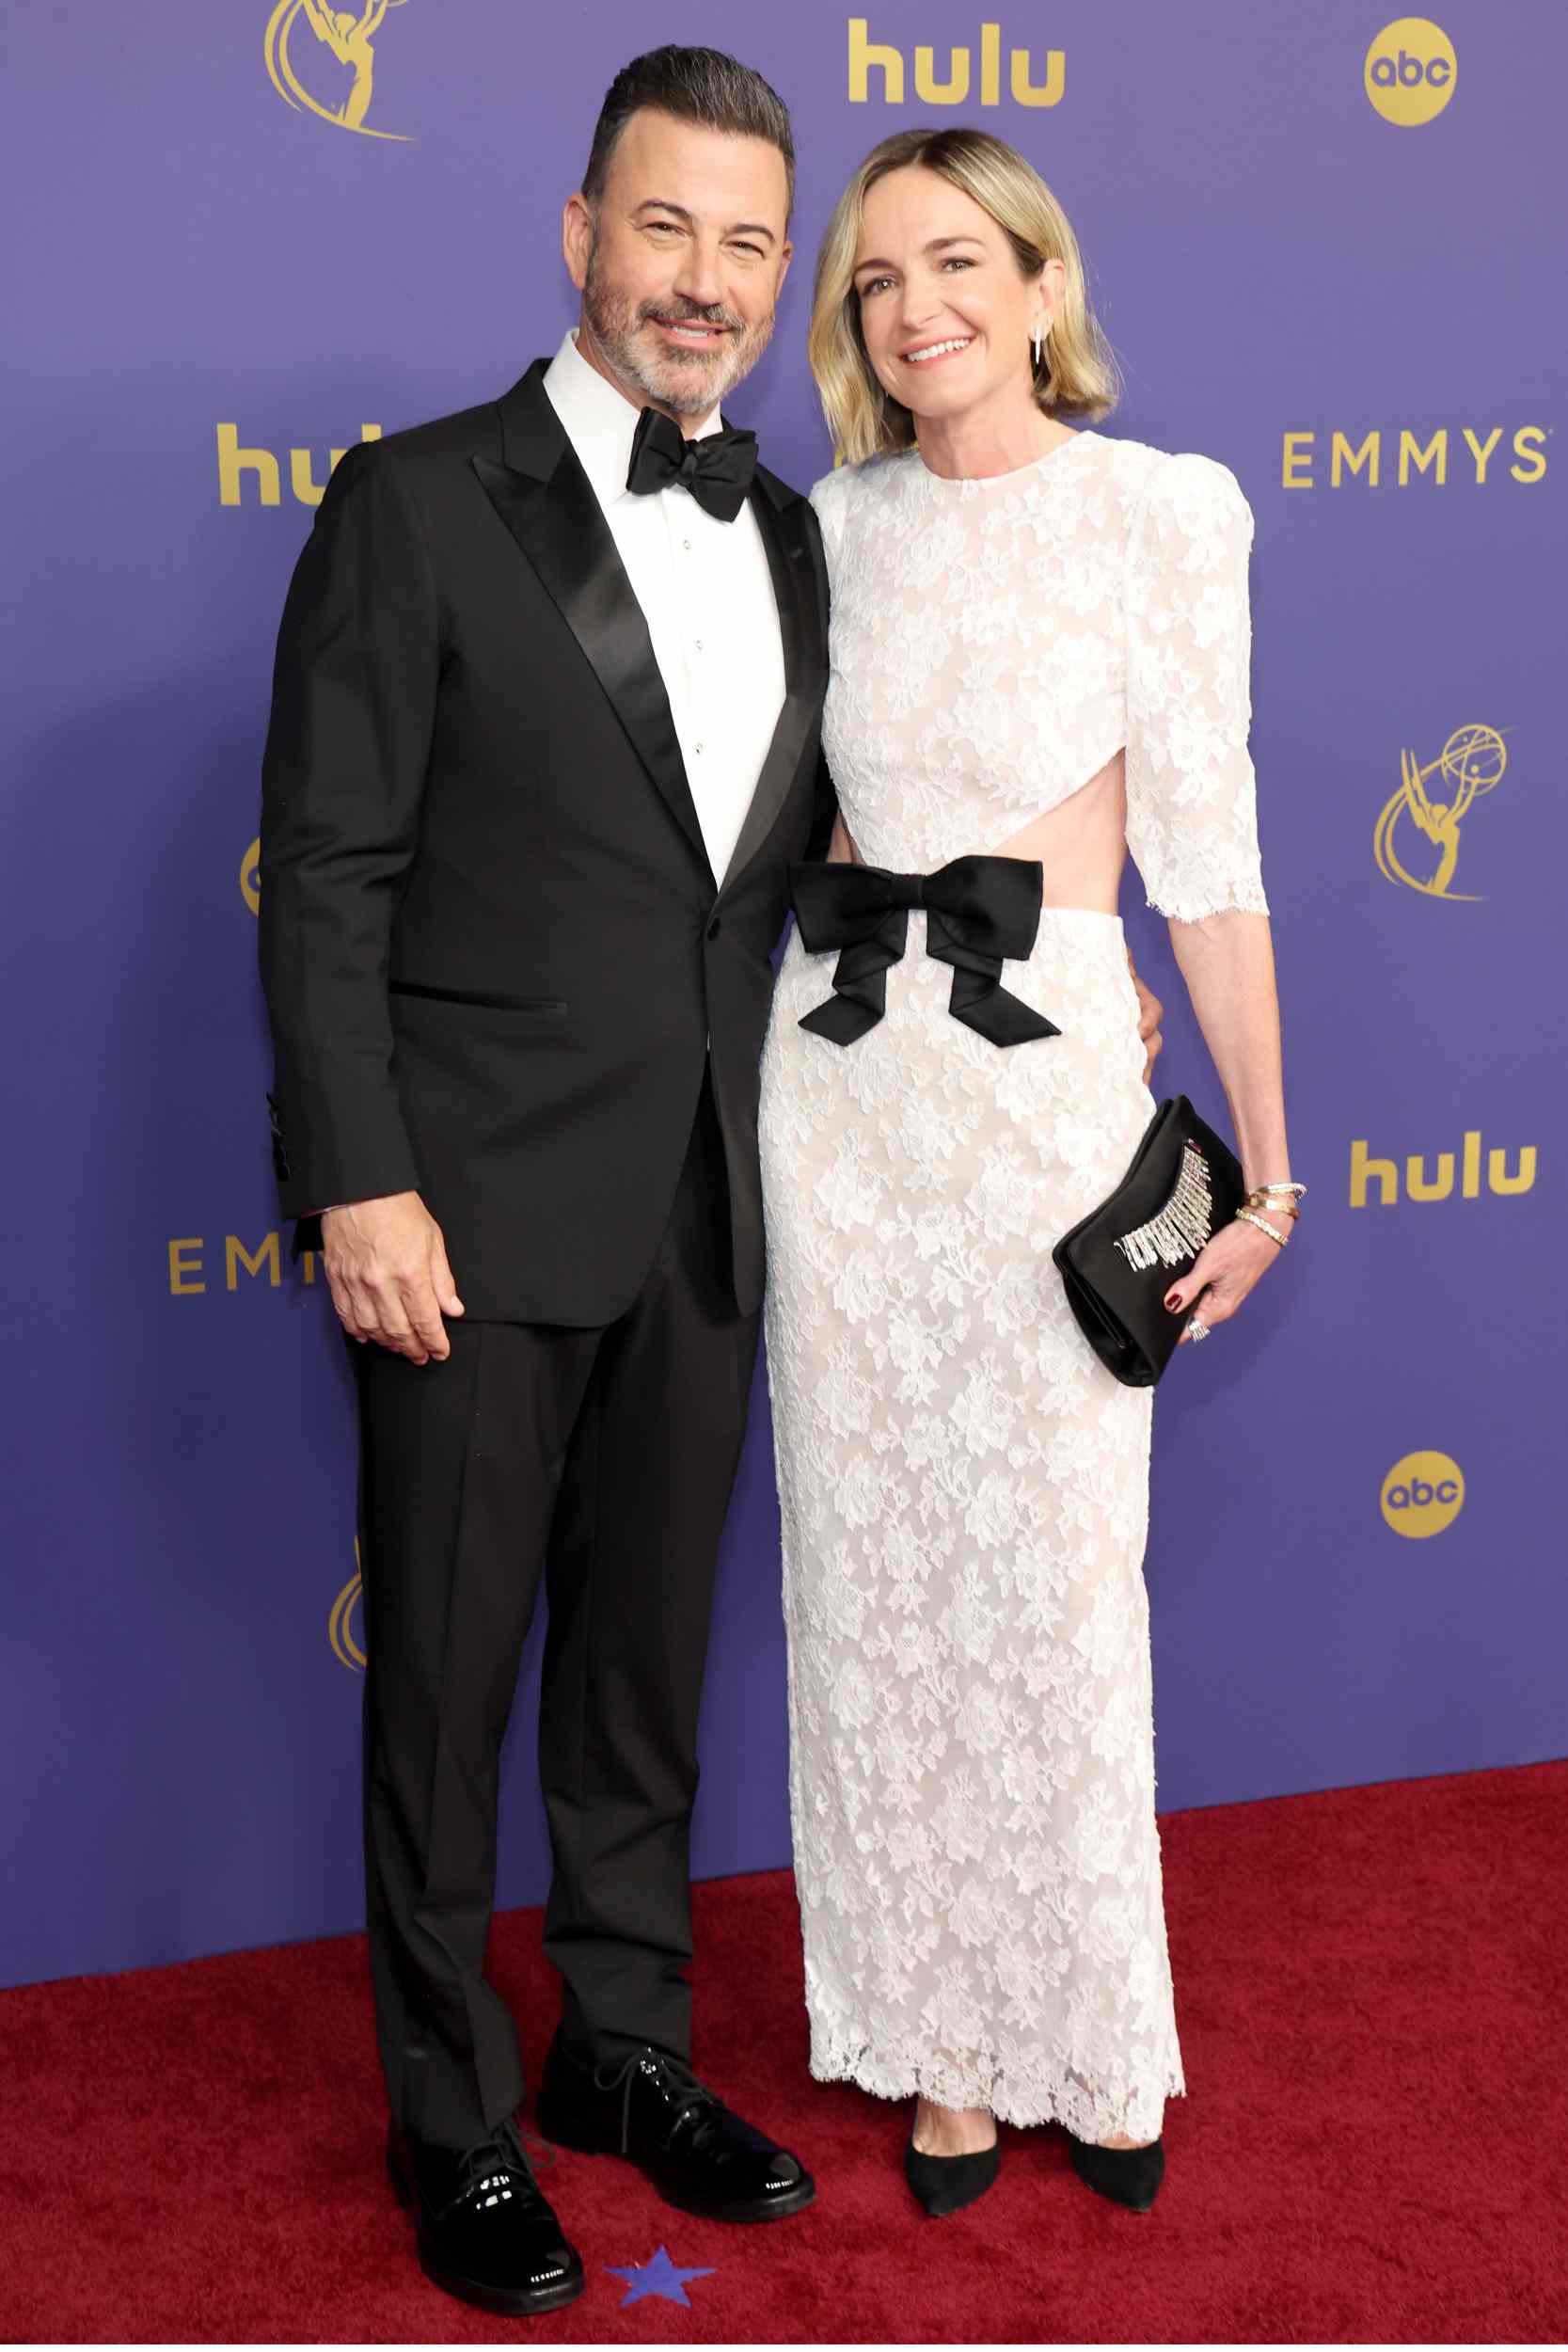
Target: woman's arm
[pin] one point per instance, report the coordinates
(1227, 961)
(1191, 826)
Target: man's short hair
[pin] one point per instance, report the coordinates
(701, 85)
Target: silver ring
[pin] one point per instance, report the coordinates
(1196, 1330)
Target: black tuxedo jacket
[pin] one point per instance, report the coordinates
(494, 954)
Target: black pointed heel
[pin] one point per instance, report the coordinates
(1128, 2176)
(943, 2184)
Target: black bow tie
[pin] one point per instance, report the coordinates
(717, 469)
(978, 911)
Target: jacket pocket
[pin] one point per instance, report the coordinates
(543, 1008)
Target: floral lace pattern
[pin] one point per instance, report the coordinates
(996, 642)
(963, 1487)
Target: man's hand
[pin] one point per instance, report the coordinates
(387, 1265)
(1149, 1010)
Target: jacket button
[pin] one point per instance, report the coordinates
(714, 928)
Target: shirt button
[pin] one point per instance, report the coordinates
(698, 749)
(686, 546)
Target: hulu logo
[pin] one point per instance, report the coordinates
(1437, 1183)
(868, 57)
(234, 463)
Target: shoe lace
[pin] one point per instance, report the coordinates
(685, 2093)
(507, 2155)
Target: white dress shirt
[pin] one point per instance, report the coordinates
(706, 594)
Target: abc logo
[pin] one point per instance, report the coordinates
(1423, 1494)
(1410, 69)
(251, 877)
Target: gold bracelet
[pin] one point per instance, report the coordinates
(1296, 1192)
(1249, 1216)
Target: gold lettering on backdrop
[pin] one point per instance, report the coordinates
(949, 94)
(1496, 1170)
(235, 1255)
(183, 1270)
(1420, 1186)
(990, 65)
(1047, 94)
(235, 463)
(1436, 453)
(1423, 455)
(865, 54)
(1470, 1181)
(868, 57)
(1481, 451)
(187, 1266)
(1365, 1171)
(1535, 457)
(1353, 459)
(307, 492)
(1470, 764)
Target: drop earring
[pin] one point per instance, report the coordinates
(1038, 340)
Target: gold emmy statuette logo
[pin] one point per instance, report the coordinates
(250, 876)
(340, 1631)
(1422, 1494)
(1410, 71)
(350, 39)
(1470, 763)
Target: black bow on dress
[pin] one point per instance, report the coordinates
(717, 469)
(978, 911)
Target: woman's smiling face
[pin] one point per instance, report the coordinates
(946, 314)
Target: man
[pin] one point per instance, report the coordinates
(545, 738)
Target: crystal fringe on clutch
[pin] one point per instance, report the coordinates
(1181, 1227)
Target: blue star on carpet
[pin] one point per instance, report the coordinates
(657, 2276)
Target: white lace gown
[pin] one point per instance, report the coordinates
(964, 1488)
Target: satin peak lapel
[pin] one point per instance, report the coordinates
(800, 625)
(559, 526)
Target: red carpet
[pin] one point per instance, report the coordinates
(1372, 1988)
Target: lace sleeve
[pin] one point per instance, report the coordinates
(1192, 814)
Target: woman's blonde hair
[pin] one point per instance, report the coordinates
(1076, 376)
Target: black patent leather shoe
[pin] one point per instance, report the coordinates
(651, 2108)
(946, 2183)
(485, 2232)
(1128, 2176)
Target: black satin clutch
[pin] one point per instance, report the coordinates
(1118, 1261)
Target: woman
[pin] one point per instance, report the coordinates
(1040, 654)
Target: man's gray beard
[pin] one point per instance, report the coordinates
(687, 384)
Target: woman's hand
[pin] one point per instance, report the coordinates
(1223, 1271)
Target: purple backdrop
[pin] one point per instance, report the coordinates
(206, 258)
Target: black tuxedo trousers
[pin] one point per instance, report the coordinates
(600, 1460)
